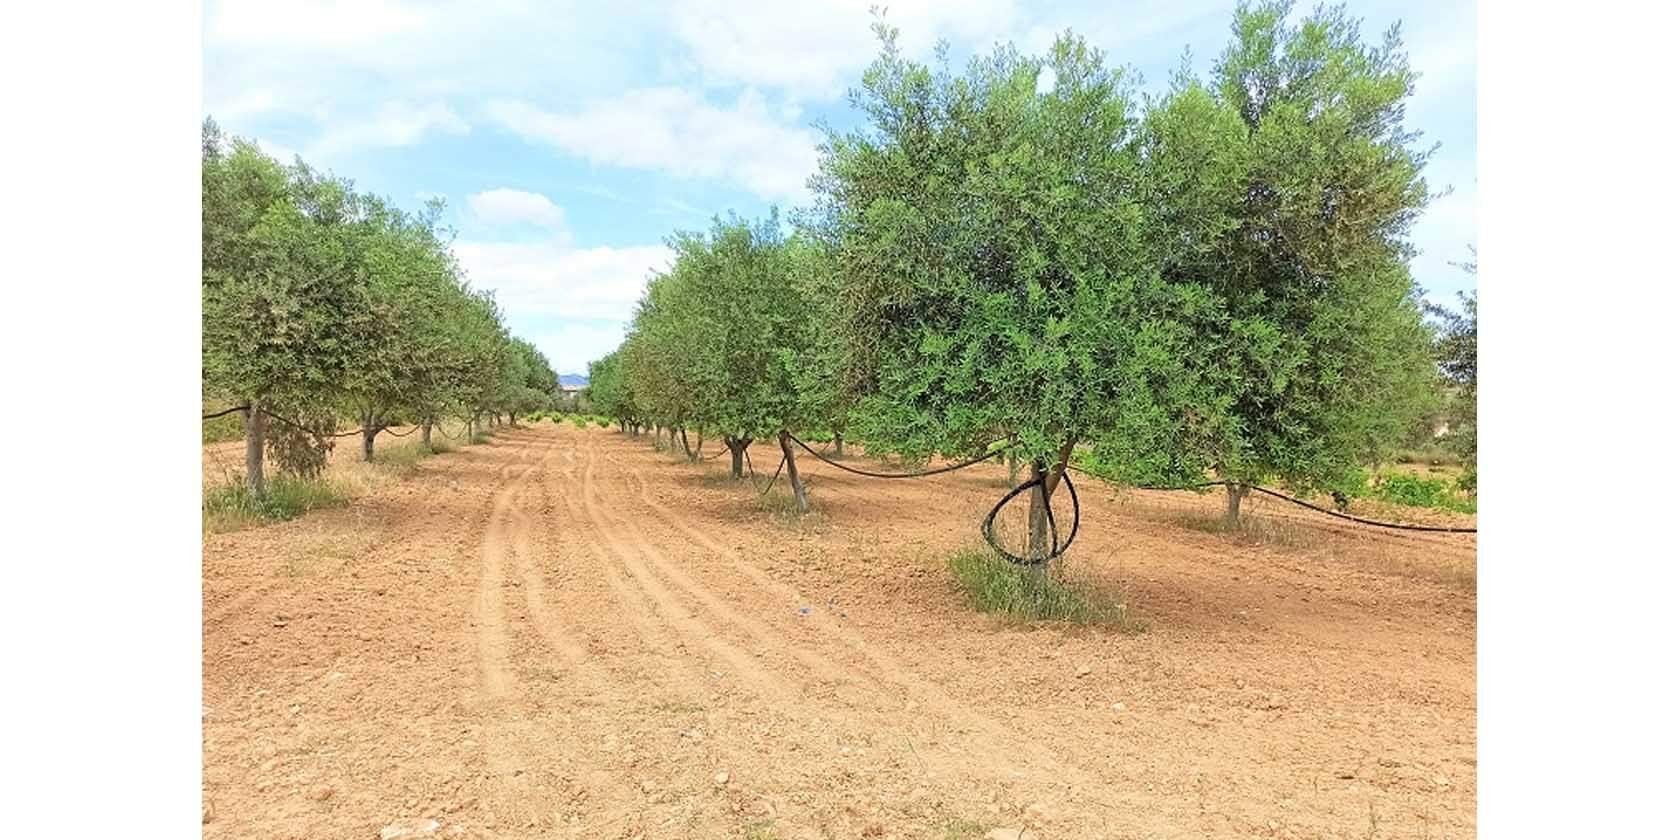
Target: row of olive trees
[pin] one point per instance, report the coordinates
(1208, 283)
(320, 302)
(725, 342)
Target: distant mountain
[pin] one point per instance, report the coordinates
(573, 379)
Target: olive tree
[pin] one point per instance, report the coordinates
(469, 362)
(1286, 189)
(723, 340)
(1455, 351)
(526, 382)
(993, 277)
(660, 357)
(275, 283)
(607, 390)
(397, 329)
(750, 322)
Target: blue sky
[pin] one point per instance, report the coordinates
(570, 139)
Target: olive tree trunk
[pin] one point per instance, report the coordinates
(737, 447)
(1234, 493)
(369, 432)
(839, 444)
(256, 425)
(426, 435)
(1038, 516)
(686, 449)
(793, 475)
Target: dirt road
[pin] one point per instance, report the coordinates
(567, 634)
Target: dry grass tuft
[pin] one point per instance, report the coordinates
(229, 507)
(995, 585)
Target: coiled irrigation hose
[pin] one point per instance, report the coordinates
(987, 525)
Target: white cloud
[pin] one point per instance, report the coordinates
(246, 103)
(550, 279)
(311, 23)
(505, 206)
(571, 345)
(815, 49)
(283, 154)
(394, 124)
(678, 132)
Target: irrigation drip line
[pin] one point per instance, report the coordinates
(305, 429)
(987, 525)
(440, 428)
(1056, 547)
(228, 411)
(308, 431)
(772, 482)
(945, 469)
(1398, 526)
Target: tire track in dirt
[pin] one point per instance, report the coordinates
(528, 788)
(638, 608)
(1008, 754)
(553, 631)
(489, 621)
(623, 538)
(756, 629)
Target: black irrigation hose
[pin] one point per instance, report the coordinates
(1101, 477)
(229, 411)
(306, 430)
(440, 428)
(1398, 526)
(772, 482)
(1057, 547)
(945, 469)
(987, 525)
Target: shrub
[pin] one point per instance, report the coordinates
(300, 453)
(1430, 454)
(1417, 491)
(995, 585)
